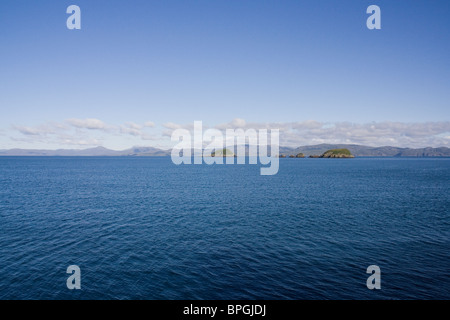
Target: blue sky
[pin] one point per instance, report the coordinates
(148, 65)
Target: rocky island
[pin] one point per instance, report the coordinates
(223, 153)
(298, 155)
(335, 153)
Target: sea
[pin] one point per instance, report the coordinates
(145, 228)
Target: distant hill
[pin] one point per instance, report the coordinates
(365, 151)
(145, 151)
(98, 151)
(91, 152)
(356, 150)
(337, 153)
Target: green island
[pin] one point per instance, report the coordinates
(298, 155)
(222, 153)
(335, 153)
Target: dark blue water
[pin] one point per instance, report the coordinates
(143, 228)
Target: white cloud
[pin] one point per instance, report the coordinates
(129, 130)
(414, 135)
(93, 124)
(82, 142)
(134, 126)
(294, 134)
(82, 132)
(234, 124)
(171, 125)
(41, 130)
(29, 131)
(137, 130)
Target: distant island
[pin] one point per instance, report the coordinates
(335, 153)
(299, 155)
(332, 153)
(363, 151)
(299, 152)
(222, 153)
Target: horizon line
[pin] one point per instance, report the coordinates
(168, 149)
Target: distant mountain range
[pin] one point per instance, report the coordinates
(92, 152)
(365, 151)
(356, 150)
